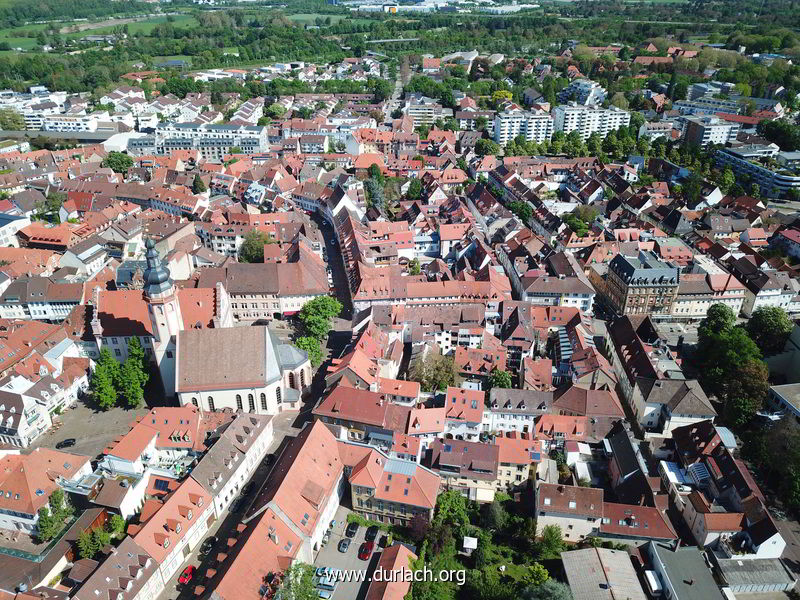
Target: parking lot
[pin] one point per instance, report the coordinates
(330, 556)
(92, 430)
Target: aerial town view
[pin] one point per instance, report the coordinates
(399, 300)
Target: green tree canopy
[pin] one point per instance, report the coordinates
(252, 248)
(87, 547)
(11, 120)
(434, 372)
(769, 327)
(198, 187)
(298, 583)
(549, 590)
(485, 147)
(414, 189)
(551, 542)
(500, 379)
(118, 162)
(311, 346)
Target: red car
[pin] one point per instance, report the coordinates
(187, 575)
(365, 550)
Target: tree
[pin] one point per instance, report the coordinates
(275, 111)
(451, 509)
(47, 527)
(501, 96)
(137, 356)
(769, 327)
(500, 379)
(418, 527)
(316, 316)
(375, 173)
(619, 100)
(118, 162)
(59, 505)
(484, 147)
(549, 590)
(434, 372)
(298, 583)
(198, 187)
(102, 388)
(324, 306)
(726, 179)
(252, 248)
(311, 346)
(551, 542)
(131, 388)
(495, 516)
(746, 391)
(536, 575)
(414, 189)
(101, 537)
(87, 547)
(722, 348)
(414, 267)
(11, 120)
(522, 209)
(116, 525)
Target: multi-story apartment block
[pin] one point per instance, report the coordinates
(212, 141)
(589, 119)
(422, 110)
(583, 91)
(534, 126)
(468, 119)
(703, 130)
(707, 105)
(749, 162)
(642, 284)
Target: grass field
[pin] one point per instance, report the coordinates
(145, 27)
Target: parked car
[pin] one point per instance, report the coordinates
(324, 594)
(365, 551)
(67, 443)
(322, 572)
(187, 575)
(248, 488)
(351, 530)
(332, 525)
(326, 538)
(344, 544)
(208, 545)
(327, 583)
(382, 541)
(372, 533)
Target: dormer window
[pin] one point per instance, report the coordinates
(166, 543)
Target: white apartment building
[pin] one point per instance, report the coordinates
(589, 119)
(423, 110)
(535, 126)
(704, 130)
(583, 91)
(746, 161)
(213, 141)
(73, 123)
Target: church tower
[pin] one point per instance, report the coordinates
(165, 315)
